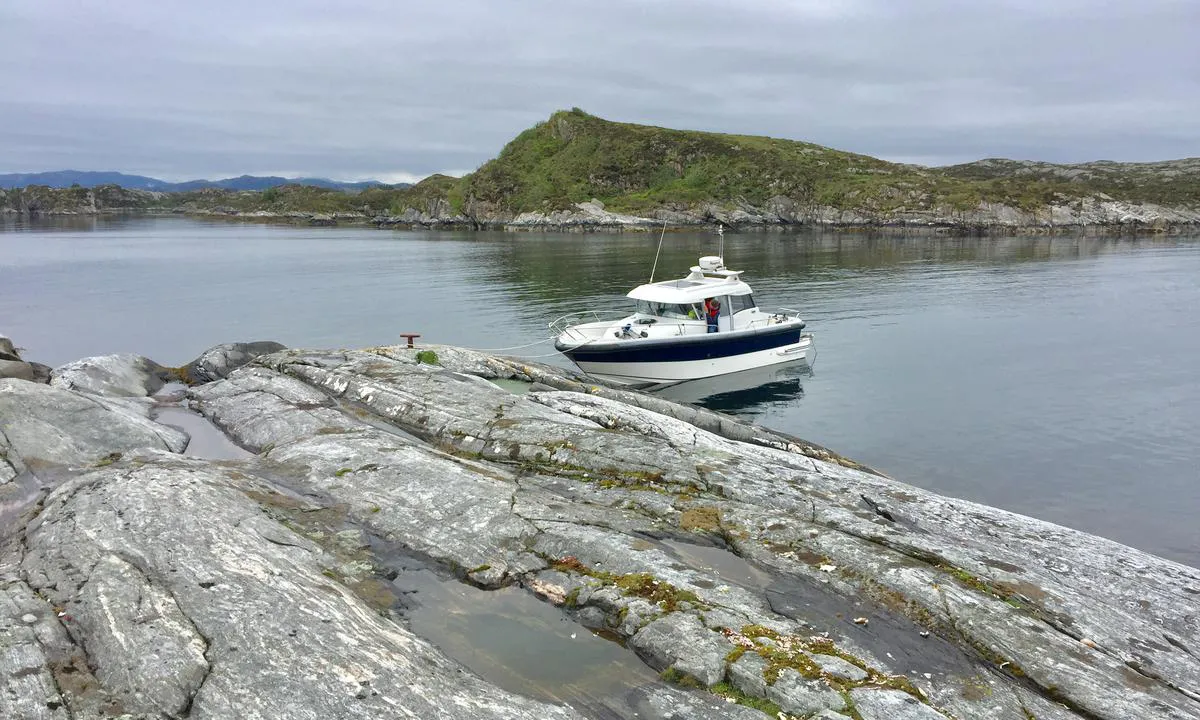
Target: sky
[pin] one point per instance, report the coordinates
(399, 89)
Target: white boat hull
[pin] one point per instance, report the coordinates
(647, 373)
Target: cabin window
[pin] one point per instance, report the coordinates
(738, 303)
(676, 311)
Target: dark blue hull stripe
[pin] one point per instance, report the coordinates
(697, 347)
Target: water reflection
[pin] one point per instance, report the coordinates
(749, 393)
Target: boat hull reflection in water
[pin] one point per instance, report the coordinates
(750, 392)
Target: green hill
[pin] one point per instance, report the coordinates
(574, 156)
(690, 177)
(1173, 182)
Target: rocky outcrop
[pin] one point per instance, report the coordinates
(12, 366)
(1097, 214)
(45, 425)
(217, 611)
(560, 490)
(118, 375)
(17, 369)
(217, 362)
(35, 200)
(729, 557)
(913, 212)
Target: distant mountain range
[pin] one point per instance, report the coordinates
(89, 179)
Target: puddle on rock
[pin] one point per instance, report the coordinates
(207, 441)
(723, 563)
(892, 638)
(513, 640)
(517, 642)
(516, 387)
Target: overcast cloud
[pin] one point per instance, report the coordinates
(396, 90)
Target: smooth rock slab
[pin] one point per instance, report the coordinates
(122, 375)
(41, 373)
(38, 661)
(799, 696)
(27, 689)
(16, 369)
(217, 362)
(681, 641)
(258, 408)
(666, 703)
(747, 674)
(10, 462)
(282, 639)
(839, 668)
(881, 704)
(596, 468)
(143, 646)
(48, 424)
(427, 501)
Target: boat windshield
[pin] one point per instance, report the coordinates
(681, 311)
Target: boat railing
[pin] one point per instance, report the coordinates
(776, 316)
(568, 324)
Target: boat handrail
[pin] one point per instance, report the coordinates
(567, 323)
(775, 316)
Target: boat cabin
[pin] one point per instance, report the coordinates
(682, 300)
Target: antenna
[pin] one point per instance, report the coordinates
(721, 241)
(656, 252)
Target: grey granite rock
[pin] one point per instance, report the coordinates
(797, 696)
(192, 601)
(41, 373)
(144, 647)
(259, 408)
(679, 641)
(883, 704)
(27, 685)
(463, 518)
(217, 362)
(16, 369)
(7, 350)
(46, 424)
(10, 461)
(665, 703)
(839, 668)
(747, 674)
(598, 475)
(120, 375)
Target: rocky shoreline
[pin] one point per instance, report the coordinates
(1098, 215)
(762, 576)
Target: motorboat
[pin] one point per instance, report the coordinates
(672, 337)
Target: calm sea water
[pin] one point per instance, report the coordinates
(1055, 377)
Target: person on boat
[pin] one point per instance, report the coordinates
(712, 308)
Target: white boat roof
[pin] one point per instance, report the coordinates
(691, 289)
